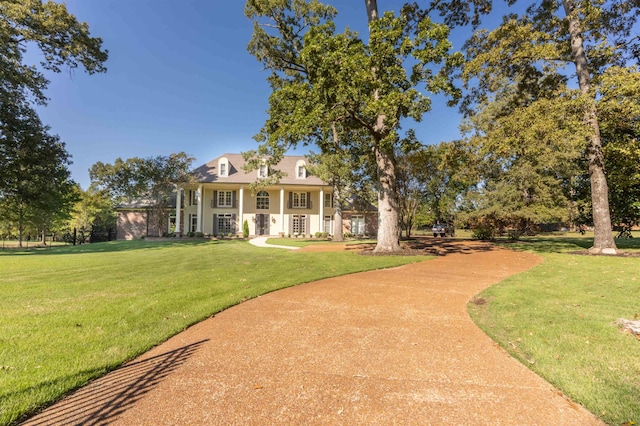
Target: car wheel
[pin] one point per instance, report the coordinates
(435, 235)
(443, 234)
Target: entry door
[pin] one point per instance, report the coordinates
(262, 224)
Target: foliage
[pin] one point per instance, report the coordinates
(321, 78)
(62, 40)
(152, 180)
(538, 46)
(245, 229)
(35, 185)
(92, 212)
(90, 308)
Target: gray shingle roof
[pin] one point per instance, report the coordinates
(208, 172)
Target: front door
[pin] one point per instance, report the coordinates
(262, 224)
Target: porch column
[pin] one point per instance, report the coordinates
(282, 209)
(321, 204)
(178, 203)
(199, 214)
(240, 210)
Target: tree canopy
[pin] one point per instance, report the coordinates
(153, 179)
(526, 59)
(321, 77)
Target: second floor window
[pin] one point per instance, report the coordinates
(225, 198)
(299, 200)
(262, 172)
(328, 199)
(223, 169)
(262, 200)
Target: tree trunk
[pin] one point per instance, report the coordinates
(603, 236)
(388, 226)
(338, 233)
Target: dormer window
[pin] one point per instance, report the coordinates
(263, 171)
(301, 171)
(223, 167)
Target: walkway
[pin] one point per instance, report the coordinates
(377, 348)
(262, 242)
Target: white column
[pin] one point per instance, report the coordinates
(178, 203)
(199, 219)
(321, 227)
(240, 209)
(282, 209)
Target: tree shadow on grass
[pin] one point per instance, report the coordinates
(566, 244)
(106, 398)
(428, 246)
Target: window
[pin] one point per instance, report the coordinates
(357, 225)
(301, 171)
(328, 200)
(225, 198)
(299, 225)
(327, 225)
(223, 167)
(262, 171)
(299, 200)
(193, 197)
(262, 200)
(194, 223)
(225, 224)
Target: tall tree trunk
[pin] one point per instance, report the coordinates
(338, 233)
(388, 227)
(603, 236)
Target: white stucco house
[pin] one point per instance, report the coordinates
(220, 200)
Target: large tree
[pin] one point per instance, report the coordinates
(321, 77)
(533, 50)
(152, 179)
(35, 184)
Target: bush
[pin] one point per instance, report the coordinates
(347, 235)
(245, 229)
(318, 234)
(485, 233)
(190, 234)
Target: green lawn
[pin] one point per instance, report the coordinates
(558, 320)
(70, 314)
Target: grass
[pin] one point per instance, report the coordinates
(558, 319)
(71, 314)
(302, 242)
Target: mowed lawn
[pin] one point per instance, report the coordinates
(71, 314)
(558, 319)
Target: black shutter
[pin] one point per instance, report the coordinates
(308, 200)
(233, 199)
(290, 205)
(215, 199)
(215, 224)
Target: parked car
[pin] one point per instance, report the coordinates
(443, 230)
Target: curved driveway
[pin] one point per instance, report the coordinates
(377, 348)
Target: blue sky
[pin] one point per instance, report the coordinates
(179, 79)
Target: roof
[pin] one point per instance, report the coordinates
(208, 172)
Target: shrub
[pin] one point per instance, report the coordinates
(485, 233)
(318, 234)
(245, 229)
(198, 235)
(190, 234)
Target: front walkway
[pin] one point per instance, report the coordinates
(385, 347)
(262, 242)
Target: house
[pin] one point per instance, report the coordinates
(220, 200)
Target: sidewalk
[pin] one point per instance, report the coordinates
(385, 347)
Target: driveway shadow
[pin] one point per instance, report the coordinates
(421, 246)
(106, 398)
